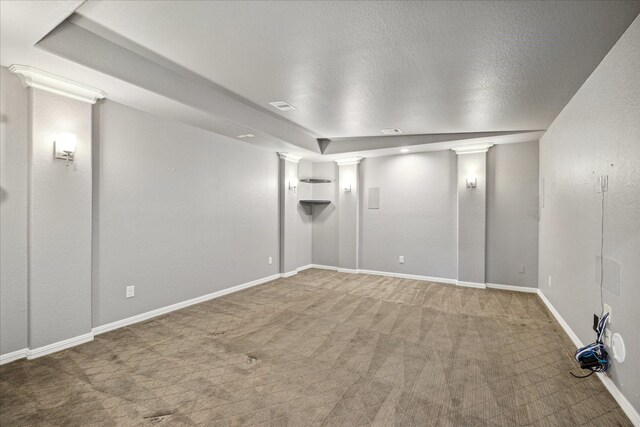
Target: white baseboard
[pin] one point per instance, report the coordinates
(626, 406)
(304, 267)
(512, 288)
(14, 355)
(471, 284)
(59, 346)
(323, 267)
(153, 313)
(409, 276)
(289, 274)
(348, 270)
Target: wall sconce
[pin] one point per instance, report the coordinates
(65, 147)
(293, 185)
(472, 181)
(347, 188)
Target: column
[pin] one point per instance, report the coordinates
(472, 213)
(60, 222)
(348, 214)
(288, 214)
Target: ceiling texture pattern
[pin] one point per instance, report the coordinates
(498, 71)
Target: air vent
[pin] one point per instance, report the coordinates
(282, 106)
(394, 131)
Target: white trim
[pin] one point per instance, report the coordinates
(32, 77)
(14, 355)
(304, 267)
(409, 276)
(512, 288)
(348, 270)
(348, 161)
(157, 312)
(471, 284)
(59, 346)
(323, 267)
(290, 157)
(626, 406)
(289, 274)
(472, 149)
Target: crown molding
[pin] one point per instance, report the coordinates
(289, 157)
(349, 161)
(472, 149)
(32, 77)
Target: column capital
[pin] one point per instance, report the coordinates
(472, 149)
(32, 77)
(349, 161)
(290, 157)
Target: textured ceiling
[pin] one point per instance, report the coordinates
(473, 69)
(353, 68)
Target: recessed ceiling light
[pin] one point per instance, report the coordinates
(390, 131)
(404, 150)
(282, 105)
(246, 135)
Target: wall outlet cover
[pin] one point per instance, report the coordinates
(270, 260)
(549, 281)
(401, 259)
(131, 291)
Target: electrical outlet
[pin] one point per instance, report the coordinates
(270, 260)
(521, 268)
(401, 259)
(603, 184)
(549, 281)
(131, 291)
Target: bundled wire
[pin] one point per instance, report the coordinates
(594, 356)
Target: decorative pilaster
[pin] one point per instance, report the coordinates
(472, 214)
(348, 214)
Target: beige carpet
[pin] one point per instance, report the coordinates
(320, 348)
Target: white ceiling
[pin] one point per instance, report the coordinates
(350, 68)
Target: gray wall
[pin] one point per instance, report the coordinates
(512, 214)
(13, 213)
(597, 133)
(181, 212)
(325, 217)
(417, 215)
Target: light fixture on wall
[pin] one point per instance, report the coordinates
(64, 147)
(293, 184)
(472, 181)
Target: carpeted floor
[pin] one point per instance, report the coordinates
(320, 348)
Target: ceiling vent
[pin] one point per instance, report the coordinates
(394, 131)
(282, 106)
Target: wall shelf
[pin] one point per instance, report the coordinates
(315, 180)
(315, 202)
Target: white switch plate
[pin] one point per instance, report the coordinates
(270, 260)
(549, 281)
(603, 184)
(401, 259)
(131, 291)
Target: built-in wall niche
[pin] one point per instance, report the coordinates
(308, 204)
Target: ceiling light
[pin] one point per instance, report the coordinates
(404, 150)
(390, 131)
(282, 105)
(246, 135)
